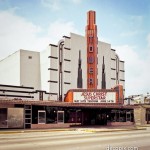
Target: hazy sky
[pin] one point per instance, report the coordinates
(125, 24)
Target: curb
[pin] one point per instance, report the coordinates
(74, 129)
(113, 130)
(27, 131)
(143, 126)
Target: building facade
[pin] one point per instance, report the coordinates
(64, 69)
(85, 60)
(76, 62)
(79, 81)
(22, 68)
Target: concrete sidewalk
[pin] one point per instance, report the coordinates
(11, 131)
(81, 128)
(112, 129)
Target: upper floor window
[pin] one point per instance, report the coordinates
(91, 80)
(90, 38)
(91, 49)
(91, 70)
(29, 57)
(90, 59)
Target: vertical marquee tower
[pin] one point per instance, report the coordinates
(92, 50)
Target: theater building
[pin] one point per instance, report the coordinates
(80, 81)
(78, 61)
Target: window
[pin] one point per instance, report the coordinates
(90, 81)
(40, 95)
(41, 116)
(90, 38)
(91, 49)
(90, 59)
(91, 70)
(29, 57)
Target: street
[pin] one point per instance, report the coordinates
(76, 140)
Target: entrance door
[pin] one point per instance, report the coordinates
(128, 116)
(94, 116)
(41, 117)
(3, 118)
(148, 116)
(101, 119)
(60, 116)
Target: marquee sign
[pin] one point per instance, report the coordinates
(94, 97)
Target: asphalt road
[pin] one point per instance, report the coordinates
(77, 140)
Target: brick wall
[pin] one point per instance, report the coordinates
(6, 105)
(120, 123)
(51, 126)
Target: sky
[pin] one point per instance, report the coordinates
(125, 24)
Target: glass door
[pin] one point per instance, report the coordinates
(128, 116)
(60, 116)
(3, 118)
(41, 117)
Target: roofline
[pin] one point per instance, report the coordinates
(66, 104)
(15, 86)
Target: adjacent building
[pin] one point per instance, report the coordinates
(21, 68)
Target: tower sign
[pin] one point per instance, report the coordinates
(92, 40)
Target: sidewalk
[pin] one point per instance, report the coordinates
(112, 128)
(80, 128)
(11, 131)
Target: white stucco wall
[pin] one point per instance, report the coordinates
(104, 49)
(53, 74)
(13, 92)
(30, 74)
(122, 73)
(44, 65)
(78, 42)
(18, 69)
(10, 69)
